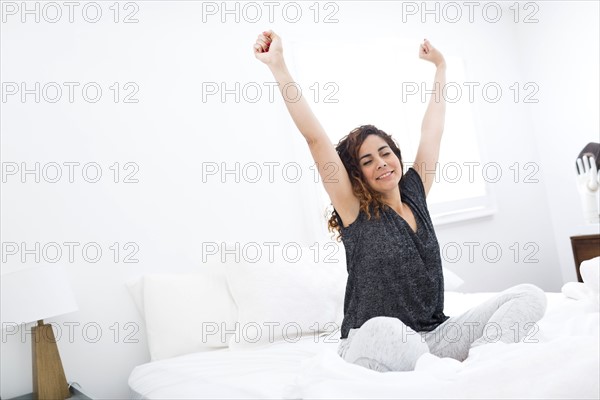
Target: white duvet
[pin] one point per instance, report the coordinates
(564, 363)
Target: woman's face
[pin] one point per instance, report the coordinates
(379, 164)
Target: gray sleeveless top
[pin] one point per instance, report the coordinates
(393, 271)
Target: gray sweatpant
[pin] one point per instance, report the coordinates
(386, 344)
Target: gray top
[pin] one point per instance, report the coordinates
(393, 271)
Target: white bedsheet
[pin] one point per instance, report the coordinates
(563, 364)
(245, 374)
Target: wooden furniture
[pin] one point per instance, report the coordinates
(584, 248)
(75, 393)
(49, 380)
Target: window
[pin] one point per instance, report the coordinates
(384, 83)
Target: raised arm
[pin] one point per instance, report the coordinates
(433, 121)
(269, 49)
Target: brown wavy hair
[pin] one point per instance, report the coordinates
(347, 149)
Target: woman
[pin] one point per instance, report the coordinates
(394, 302)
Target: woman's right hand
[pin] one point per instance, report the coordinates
(268, 48)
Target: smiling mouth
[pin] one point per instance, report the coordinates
(387, 174)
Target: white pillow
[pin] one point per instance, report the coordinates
(590, 272)
(285, 302)
(451, 280)
(135, 287)
(187, 313)
(307, 296)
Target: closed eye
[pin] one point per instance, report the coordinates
(384, 155)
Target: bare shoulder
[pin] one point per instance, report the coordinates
(336, 184)
(348, 211)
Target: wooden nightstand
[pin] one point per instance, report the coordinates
(584, 248)
(76, 394)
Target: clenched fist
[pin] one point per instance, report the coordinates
(268, 48)
(429, 53)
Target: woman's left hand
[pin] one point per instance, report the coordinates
(429, 53)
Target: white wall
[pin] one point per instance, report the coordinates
(171, 132)
(567, 118)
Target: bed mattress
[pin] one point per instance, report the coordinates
(561, 362)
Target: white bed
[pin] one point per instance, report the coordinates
(564, 363)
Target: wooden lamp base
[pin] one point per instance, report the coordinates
(49, 380)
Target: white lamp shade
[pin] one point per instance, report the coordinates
(35, 293)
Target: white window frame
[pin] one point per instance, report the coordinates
(442, 213)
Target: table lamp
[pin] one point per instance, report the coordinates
(33, 294)
(588, 181)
